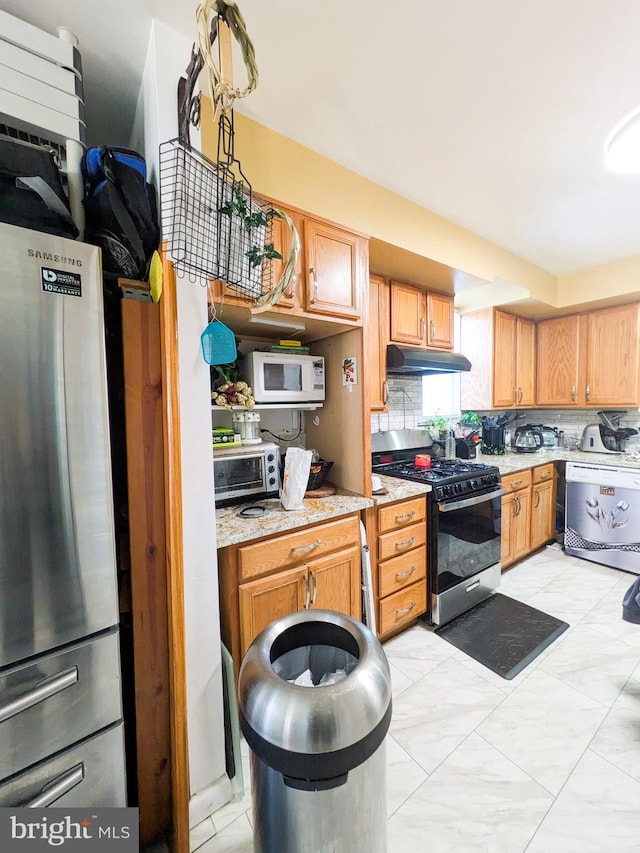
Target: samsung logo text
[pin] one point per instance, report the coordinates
(58, 259)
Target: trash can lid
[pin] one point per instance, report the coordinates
(352, 708)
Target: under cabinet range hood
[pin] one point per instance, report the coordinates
(405, 361)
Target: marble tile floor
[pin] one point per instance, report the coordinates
(546, 763)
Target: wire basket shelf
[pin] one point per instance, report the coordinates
(213, 224)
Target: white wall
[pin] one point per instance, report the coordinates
(156, 121)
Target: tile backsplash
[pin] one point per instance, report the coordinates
(404, 403)
(405, 412)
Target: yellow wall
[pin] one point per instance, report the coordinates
(285, 170)
(613, 280)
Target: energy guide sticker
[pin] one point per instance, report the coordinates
(61, 281)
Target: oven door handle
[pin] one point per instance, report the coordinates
(478, 499)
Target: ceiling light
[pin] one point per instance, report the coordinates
(281, 324)
(622, 148)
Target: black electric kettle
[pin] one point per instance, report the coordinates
(528, 440)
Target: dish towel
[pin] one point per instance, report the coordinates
(631, 603)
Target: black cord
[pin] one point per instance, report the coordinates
(282, 438)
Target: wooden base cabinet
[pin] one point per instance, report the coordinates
(400, 562)
(543, 506)
(316, 567)
(528, 512)
(516, 518)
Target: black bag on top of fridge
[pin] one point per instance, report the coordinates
(120, 209)
(31, 190)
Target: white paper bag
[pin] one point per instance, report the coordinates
(297, 464)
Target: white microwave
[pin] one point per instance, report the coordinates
(284, 377)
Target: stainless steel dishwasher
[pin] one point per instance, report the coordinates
(603, 514)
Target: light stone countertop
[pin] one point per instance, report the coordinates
(511, 462)
(399, 490)
(232, 529)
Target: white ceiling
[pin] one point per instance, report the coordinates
(492, 114)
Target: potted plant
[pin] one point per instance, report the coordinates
(470, 422)
(437, 426)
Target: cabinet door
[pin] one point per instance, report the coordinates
(267, 599)
(377, 335)
(542, 514)
(516, 519)
(439, 321)
(335, 582)
(504, 360)
(333, 270)
(612, 357)
(408, 315)
(522, 525)
(558, 360)
(525, 362)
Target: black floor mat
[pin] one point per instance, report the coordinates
(503, 634)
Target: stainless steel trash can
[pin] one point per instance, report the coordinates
(318, 770)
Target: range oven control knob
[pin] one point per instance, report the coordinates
(270, 457)
(272, 481)
(271, 469)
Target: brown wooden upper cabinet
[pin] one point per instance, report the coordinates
(335, 270)
(420, 318)
(590, 359)
(376, 339)
(501, 348)
(330, 273)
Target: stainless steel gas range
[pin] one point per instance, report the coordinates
(464, 519)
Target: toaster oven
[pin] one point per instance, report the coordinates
(240, 473)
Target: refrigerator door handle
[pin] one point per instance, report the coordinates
(55, 789)
(43, 690)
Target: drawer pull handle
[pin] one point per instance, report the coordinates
(406, 609)
(516, 483)
(405, 515)
(43, 690)
(313, 545)
(407, 573)
(406, 542)
(57, 788)
(544, 474)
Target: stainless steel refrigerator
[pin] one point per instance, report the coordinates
(61, 731)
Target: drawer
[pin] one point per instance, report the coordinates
(398, 541)
(281, 552)
(56, 700)
(517, 481)
(402, 606)
(401, 514)
(543, 473)
(88, 775)
(401, 571)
